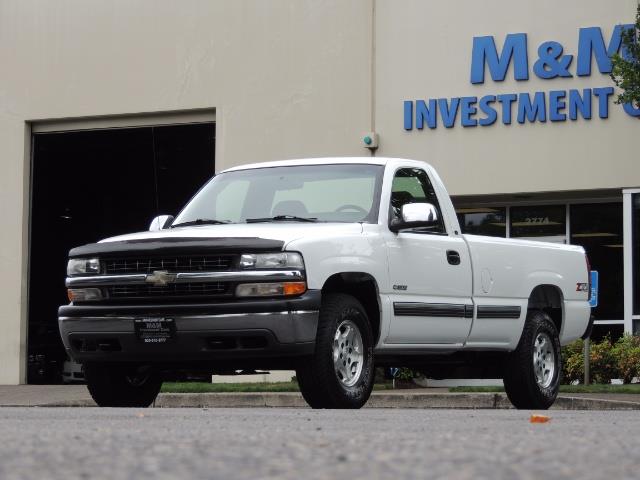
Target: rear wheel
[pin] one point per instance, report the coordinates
(340, 373)
(532, 374)
(113, 385)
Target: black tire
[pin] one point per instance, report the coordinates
(113, 385)
(520, 383)
(320, 384)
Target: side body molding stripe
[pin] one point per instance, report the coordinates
(498, 311)
(413, 309)
(455, 310)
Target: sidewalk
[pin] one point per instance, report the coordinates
(78, 396)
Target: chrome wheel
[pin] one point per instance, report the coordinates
(544, 360)
(348, 353)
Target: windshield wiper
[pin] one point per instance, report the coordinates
(199, 221)
(282, 218)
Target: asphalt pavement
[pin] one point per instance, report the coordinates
(285, 443)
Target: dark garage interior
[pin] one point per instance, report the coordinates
(92, 184)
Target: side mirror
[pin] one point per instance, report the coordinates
(160, 223)
(415, 215)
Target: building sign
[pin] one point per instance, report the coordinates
(550, 62)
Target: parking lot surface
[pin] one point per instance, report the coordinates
(92, 443)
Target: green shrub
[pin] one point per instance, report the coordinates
(607, 360)
(406, 374)
(573, 362)
(603, 365)
(626, 352)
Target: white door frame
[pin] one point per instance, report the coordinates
(627, 213)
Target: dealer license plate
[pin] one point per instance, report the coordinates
(155, 330)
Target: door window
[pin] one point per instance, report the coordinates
(412, 185)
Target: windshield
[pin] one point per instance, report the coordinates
(323, 193)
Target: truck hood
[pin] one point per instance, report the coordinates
(285, 232)
(215, 238)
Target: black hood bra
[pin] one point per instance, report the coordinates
(178, 245)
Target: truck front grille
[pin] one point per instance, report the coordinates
(200, 263)
(199, 289)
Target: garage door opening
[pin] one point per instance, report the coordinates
(88, 185)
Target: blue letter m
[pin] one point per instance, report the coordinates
(485, 51)
(590, 42)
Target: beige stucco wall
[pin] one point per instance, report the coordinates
(288, 78)
(424, 51)
(291, 78)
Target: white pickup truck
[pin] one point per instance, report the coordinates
(330, 267)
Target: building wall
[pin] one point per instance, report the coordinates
(292, 78)
(288, 78)
(424, 51)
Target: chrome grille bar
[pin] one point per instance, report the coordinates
(188, 277)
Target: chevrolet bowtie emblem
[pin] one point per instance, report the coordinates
(160, 278)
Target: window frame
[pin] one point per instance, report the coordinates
(443, 221)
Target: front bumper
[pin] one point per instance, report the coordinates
(205, 332)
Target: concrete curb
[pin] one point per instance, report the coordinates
(470, 401)
(581, 403)
(473, 401)
(233, 400)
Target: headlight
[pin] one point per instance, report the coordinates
(272, 260)
(83, 266)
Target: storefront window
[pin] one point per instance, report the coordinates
(635, 246)
(598, 228)
(483, 221)
(540, 222)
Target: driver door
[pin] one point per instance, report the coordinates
(430, 272)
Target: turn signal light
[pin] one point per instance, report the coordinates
(270, 289)
(294, 288)
(84, 294)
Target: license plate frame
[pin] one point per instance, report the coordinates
(155, 330)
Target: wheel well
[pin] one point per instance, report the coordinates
(363, 287)
(548, 298)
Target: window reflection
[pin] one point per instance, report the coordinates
(547, 221)
(483, 221)
(598, 228)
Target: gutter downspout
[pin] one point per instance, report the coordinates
(372, 74)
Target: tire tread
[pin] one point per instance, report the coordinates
(316, 375)
(519, 378)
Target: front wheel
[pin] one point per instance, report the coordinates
(113, 385)
(532, 374)
(340, 373)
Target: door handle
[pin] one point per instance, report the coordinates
(453, 257)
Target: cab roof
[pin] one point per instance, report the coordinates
(320, 161)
